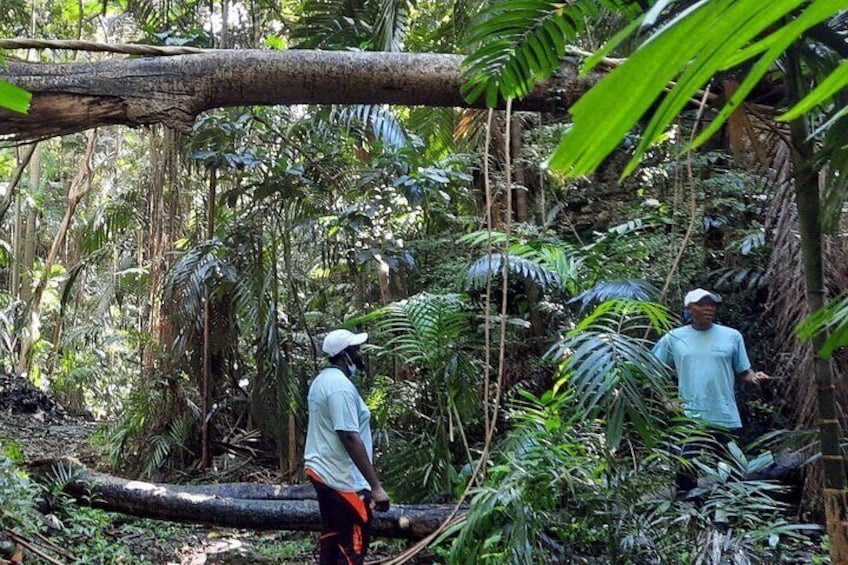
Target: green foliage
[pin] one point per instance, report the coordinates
(632, 289)
(378, 25)
(519, 515)
(12, 97)
(17, 493)
(55, 482)
(428, 336)
(606, 361)
(739, 31)
(378, 119)
(830, 321)
(152, 431)
(517, 42)
(554, 266)
(556, 494)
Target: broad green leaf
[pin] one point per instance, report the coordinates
(14, 97)
(832, 319)
(816, 13)
(692, 50)
(835, 82)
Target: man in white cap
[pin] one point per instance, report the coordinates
(339, 453)
(707, 358)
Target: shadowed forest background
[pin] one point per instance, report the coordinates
(169, 285)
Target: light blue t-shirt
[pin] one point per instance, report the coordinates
(335, 405)
(706, 362)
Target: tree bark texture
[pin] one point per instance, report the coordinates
(173, 90)
(261, 507)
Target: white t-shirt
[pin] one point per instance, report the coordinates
(335, 405)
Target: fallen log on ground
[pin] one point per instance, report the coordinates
(184, 503)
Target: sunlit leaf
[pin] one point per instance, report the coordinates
(14, 98)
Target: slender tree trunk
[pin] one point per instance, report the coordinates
(206, 449)
(9, 197)
(28, 230)
(518, 171)
(79, 187)
(806, 178)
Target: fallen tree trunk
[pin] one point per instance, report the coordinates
(204, 504)
(173, 90)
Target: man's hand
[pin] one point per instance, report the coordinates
(755, 377)
(379, 499)
(673, 406)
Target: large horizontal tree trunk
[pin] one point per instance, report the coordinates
(261, 507)
(173, 90)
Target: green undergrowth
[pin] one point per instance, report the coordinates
(58, 526)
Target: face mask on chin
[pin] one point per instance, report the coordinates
(354, 365)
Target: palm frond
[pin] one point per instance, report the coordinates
(739, 278)
(425, 326)
(391, 26)
(378, 119)
(608, 364)
(516, 42)
(833, 319)
(332, 24)
(680, 51)
(634, 289)
(527, 269)
(482, 238)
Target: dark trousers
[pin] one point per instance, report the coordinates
(687, 477)
(346, 525)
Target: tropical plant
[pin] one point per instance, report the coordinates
(749, 36)
(555, 493)
(832, 320)
(18, 493)
(428, 338)
(517, 42)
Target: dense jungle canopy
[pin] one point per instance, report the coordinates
(511, 196)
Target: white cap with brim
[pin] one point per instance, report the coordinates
(338, 340)
(694, 296)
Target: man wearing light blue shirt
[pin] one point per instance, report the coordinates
(338, 454)
(707, 358)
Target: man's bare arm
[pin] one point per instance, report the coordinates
(359, 455)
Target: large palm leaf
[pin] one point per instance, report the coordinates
(553, 266)
(427, 333)
(517, 42)
(607, 362)
(740, 31)
(378, 25)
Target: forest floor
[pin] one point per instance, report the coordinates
(39, 428)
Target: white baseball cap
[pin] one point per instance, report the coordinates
(699, 294)
(338, 340)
